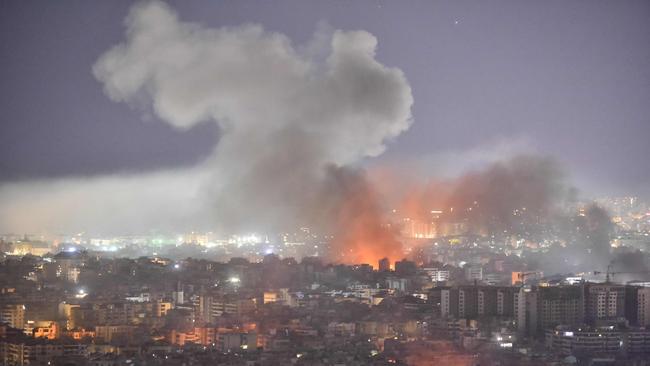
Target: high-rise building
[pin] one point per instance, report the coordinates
(474, 273)
(177, 295)
(541, 308)
(384, 264)
(23, 350)
(598, 340)
(437, 274)
(405, 267)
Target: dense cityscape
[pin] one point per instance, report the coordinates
(459, 299)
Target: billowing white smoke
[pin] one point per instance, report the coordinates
(287, 115)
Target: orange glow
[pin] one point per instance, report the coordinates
(50, 332)
(362, 233)
(513, 195)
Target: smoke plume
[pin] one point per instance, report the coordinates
(516, 201)
(519, 195)
(295, 123)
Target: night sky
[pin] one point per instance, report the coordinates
(565, 78)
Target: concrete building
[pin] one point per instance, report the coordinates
(560, 305)
(526, 305)
(110, 333)
(13, 315)
(236, 341)
(210, 307)
(437, 274)
(398, 284)
(637, 305)
(19, 351)
(542, 308)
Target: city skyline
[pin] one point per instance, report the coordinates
(329, 128)
(325, 183)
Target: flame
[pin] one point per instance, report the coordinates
(375, 213)
(362, 234)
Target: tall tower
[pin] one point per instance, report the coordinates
(384, 265)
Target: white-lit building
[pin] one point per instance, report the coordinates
(437, 274)
(474, 273)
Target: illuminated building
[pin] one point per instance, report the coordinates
(181, 338)
(46, 329)
(471, 302)
(605, 303)
(109, 333)
(160, 308)
(474, 273)
(270, 297)
(398, 284)
(544, 308)
(384, 265)
(177, 295)
(405, 268)
(560, 305)
(24, 350)
(605, 340)
(236, 341)
(637, 305)
(13, 314)
(280, 296)
(33, 248)
(196, 238)
(68, 264)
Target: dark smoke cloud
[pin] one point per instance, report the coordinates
(296, 123)
(358, 219)
(525, 198)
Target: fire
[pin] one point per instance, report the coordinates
(365, 234)
(373, 214)
(362, 233)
